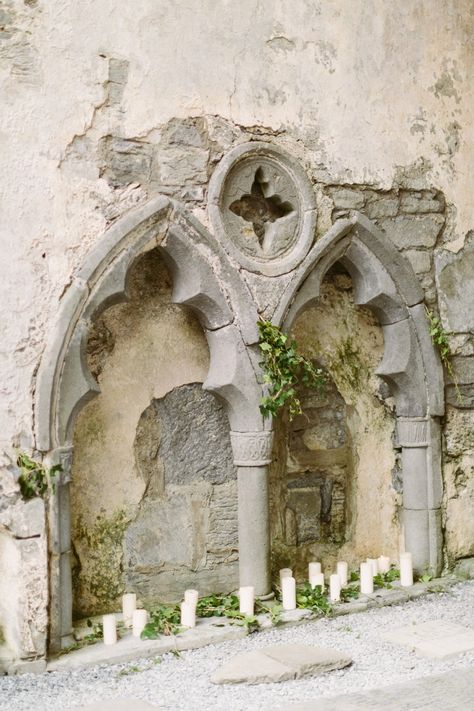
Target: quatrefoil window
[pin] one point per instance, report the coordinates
(261, 207)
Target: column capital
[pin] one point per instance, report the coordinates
(252, 449)
(413, 432)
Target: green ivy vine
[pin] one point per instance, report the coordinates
(284, 369)
(35, 479)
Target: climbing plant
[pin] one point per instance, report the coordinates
(35, 479)
(440, 339)
(284, 369)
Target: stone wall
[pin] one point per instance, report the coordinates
(374, 101)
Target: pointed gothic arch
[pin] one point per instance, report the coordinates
(385, 282)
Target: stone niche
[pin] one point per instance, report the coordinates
(153, 493)
(334, 481)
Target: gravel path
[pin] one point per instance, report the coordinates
(182, 684)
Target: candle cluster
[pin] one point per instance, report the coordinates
(136, 619)
(339, 580)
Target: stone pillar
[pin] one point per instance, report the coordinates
(420, 440)
(59, 520)
(252, 454)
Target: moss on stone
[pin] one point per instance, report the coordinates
(347, 367)
(2, 636)
(103, 541)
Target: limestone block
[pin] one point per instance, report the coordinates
(345, 198)
(464, 568)
(420, 202)
(419, 260)
(126, 161)
(455, 281)
(439, 639)
(25, 519)
(382, 207)
(279, 663)
(178, 164)
(406, 232)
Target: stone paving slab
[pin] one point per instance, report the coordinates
(119, 705)
(448, 692)
(279, 662)
(436, 638)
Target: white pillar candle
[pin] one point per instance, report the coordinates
(188, 614)
(139, 620)
(366, 579)
(317, 579)
(191, 596)
(109, 629)
(247, 600)
(406, 570)
(313, 569)
(374, 565)
(285, 573)
(129, 605)
(335, 588)
(384, 563)
(288, 589)
(342, 572)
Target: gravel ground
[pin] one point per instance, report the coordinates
(182, 684)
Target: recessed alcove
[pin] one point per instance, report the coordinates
(334, 492)
(153, 486)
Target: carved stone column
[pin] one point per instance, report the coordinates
(419, 438)
(252, 454)
(59, 531)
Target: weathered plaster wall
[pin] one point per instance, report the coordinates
(104, 104)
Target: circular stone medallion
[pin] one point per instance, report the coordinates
(262, 208)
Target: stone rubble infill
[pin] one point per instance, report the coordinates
(213, 630)
(280, 662)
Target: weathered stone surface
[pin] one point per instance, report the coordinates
(450, 692)
(382, 207)
(465, 568)
(439, 639)
(455, 279)
(279, 663)
(345, 198)
(126, 161)
(194, 437)
(25, 519)
(408, 232)
(419, 202)
(419, 260)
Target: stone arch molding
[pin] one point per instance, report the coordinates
(207, 278)
(204, 281)
(385, 282)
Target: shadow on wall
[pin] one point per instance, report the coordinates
(332, 494)
(153, 494)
